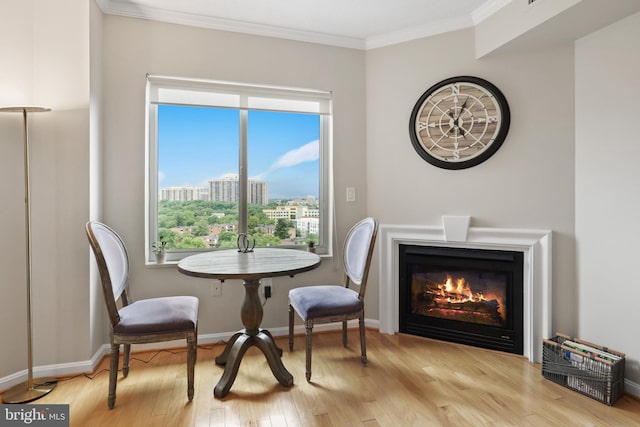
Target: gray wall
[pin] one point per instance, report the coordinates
(528, 183)
(45, 52)
(134, 48)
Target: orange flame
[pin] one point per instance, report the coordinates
(460, 292)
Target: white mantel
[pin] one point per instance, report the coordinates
(455, 232)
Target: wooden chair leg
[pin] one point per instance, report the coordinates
(309, 328)
(113, 374)
(290, 328)
(191, 363)
(344, 333)
(126, 359)
(363, 343)
(195, 356)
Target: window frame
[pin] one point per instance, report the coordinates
(176, 91)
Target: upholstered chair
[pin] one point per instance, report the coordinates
(338, 303)
(138, 322)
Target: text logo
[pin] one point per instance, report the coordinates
(34, 415)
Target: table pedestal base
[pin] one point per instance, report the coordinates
(237, 346)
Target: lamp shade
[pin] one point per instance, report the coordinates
(23, 108)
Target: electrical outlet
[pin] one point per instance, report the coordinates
(266, 286)
(216, 289)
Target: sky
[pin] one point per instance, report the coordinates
(197, 144)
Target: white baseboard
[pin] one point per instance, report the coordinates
(65, 369)
(59, 370)
(73, 368)
(632, 388)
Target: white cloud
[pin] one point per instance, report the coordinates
(307, 153)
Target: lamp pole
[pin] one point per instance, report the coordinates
(31, 389)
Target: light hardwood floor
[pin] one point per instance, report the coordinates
(410, 381)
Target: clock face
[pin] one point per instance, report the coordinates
(459, 122)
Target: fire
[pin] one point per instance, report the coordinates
(458, 291)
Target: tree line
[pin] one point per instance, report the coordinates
(195, 217)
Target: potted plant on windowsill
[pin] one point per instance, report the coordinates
(158, 248)
(311, 246)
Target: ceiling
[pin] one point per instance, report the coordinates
(359, 24)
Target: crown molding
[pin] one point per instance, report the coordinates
(115, 7)
(112, 7)
(417, 32)
(488, 9)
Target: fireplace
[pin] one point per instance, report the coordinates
(468, 296)
(536, 245)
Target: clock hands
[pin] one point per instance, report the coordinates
(464, 104)
(455, 124)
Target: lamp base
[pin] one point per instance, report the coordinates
(22, 393)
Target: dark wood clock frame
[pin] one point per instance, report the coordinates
(497, 99)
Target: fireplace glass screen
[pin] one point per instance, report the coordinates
(469, 296)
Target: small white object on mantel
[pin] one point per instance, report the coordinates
(456, 227)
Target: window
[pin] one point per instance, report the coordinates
(226, 158)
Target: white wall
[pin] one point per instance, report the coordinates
(607, 177)
(45, 50)
(528, 183)
(519, 26)
(495, 31)
(134, 48)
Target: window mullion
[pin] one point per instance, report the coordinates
(243, 190)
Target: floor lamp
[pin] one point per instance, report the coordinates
(32, 389)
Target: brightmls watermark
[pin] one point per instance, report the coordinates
(34, 415)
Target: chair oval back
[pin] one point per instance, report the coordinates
(358, 249)
(113, 264)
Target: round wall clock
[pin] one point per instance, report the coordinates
(459, 122)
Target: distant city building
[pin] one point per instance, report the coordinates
(292, 212)
(224, 190)
(258, 192)
(311, 213)
(219, 228)
(228, 190)
(181, 194)
(306, 226)
(203, 193)
(281, 212)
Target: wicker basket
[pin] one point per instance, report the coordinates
(602, 380)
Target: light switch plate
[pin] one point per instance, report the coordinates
(351, 194)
